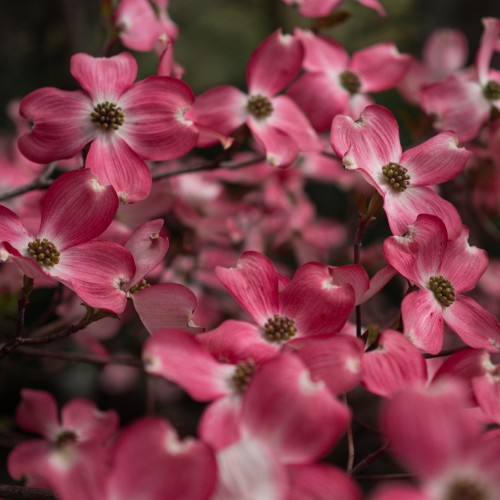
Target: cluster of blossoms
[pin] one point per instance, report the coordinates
(276, 350)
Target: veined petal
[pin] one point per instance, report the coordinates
(177, 356)
(76, 209)
(474, 325)
(155, 126)
(61, 124)
(166, 305)
(463, 264)
(254, 284)
(273, 64)
(435, 161)
(115, 163)
(423, 321)
(368, 143)
(12, 230)
(403, 208)
(95, 271)
(104, 78)
(379, 67)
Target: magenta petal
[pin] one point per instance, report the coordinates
(155, 127)
(288, 118)
(115, 163)
(254, 284)
(321, 482)
(316, 8)
(474, 325)
(285, 408)
(219, 425)
(375, 5)
(28, 460)
(274, 64)
(177, 356)
(368, 143)
(38, 413)
(61, 124)
(396, 364)
(487, 394)
(96, 270)
(379, 67)
(166, 305)
(76, 209)
(148, 247)
(397, 492)
(435, 161)
(378, 281)
(489, 44)
(423, 321)
(403, 208)
(463, 264)
(105, 79)
(12, 230)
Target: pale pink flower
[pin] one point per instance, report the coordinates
(371, 144)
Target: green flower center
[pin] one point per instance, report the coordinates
(139, 286)
(107, 115)
(492, 90)
(397, 176)
(65, 438)
(466, 489)
(259, 106)
(443, 290)
(242, 375)
(279, 329)
(350, 82)
(44, 252)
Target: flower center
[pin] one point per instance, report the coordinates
(259, 106)
(107, 115)
(65, 438)
(492, 90)
(44, 252)
(465, 489)
(396, 176)
(350, 82)
(443, 290)
(139, 286)
(242, 375)
(279, 329)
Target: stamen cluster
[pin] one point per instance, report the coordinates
(44, 252)
(65, 438)
(259, 106)
(138, 286)
(466, 489)
(242, 375)
(443, 290)
(397, 176)
(350, 82)
(279, 329)
(107, 115)
(492, 90)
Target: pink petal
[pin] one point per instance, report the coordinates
(316, 8)
(105, 79)
(368, 143)
(403, 208)
(115, 163)
(148, 247)
(379, 67)
(375, 5)
(177, 356)
(219, 425)
(487, 394)
(437, 160)
(321, 482)
(150, 460)
(423, 321)
(474, 325)
(12, 230)
(76, 209)
(463, 264)
(378, 281)
(397, 492)
(166, 305)
(445, 51)
(489, 44)
(96, 270)
(274, 64)
(38, 413)
(396, 364)
(288, 118)
(61, 124)
(319, 98)
(334, 360)
(254, 284)
(155, 126)
(283, 407)
(27, 460)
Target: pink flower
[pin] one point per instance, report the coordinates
(442, 268)
(371, 144)
(322, 8)
(75, 210)
(125, 123)
(275, 121)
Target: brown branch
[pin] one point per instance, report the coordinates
(369, 459)
(42, 182)
(25, 493)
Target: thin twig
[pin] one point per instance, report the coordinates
(369, 459)
(376, 477)
(42, 182)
